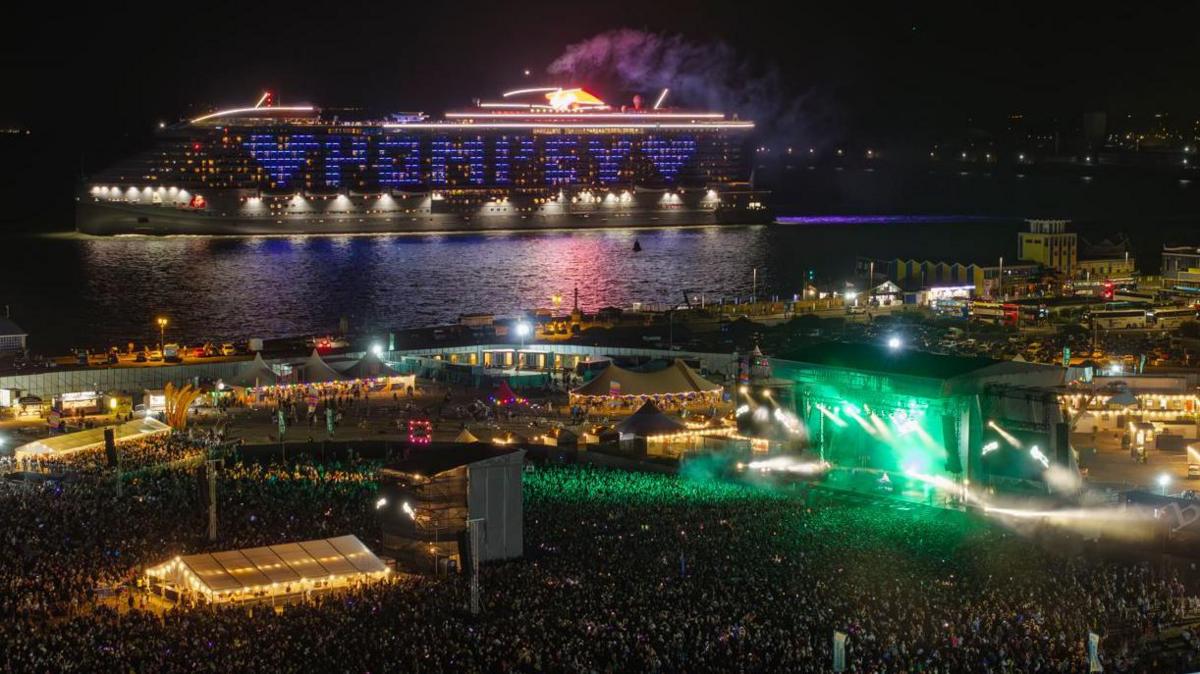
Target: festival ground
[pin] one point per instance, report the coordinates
(623, 572)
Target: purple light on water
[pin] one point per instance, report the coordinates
(885, 220)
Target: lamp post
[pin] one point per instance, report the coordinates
(1163, 481)
(523, 330)
(162, 328)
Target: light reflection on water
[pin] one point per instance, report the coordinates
(93, 291)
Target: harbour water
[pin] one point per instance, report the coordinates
(69, 290)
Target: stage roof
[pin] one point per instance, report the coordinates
(949, 374)
(882, 359)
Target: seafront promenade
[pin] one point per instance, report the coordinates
(521, 365)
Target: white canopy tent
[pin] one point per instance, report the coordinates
(675, 380)
(270, 571)
(91, 438)
(466, 437)
(254, 374)
(315, 370)
(369, 366)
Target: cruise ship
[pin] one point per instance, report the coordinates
(535, 158)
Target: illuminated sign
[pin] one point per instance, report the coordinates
(554, 130)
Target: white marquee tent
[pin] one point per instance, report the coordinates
(269, 571)
(91, 438)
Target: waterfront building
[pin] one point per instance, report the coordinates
(1102, 268)
(983, 279)
(1181, 267)
(1049, 244)
(12, 337)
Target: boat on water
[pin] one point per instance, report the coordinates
(536, 158)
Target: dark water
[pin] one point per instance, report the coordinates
(70, 291)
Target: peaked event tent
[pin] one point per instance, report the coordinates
(316, 370)
(504, 394)
(649, 421)
(674, 380)
(560, 437)
(255, 373)
(369, 366)
(270, 570)
(92, 438)
(466, 437)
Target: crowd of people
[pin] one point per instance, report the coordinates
(622, 572)
(133, 455)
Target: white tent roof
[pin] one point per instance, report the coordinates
(92, 438)
(675, 379)
(368, 367)
(466, 436)
(255, 373)
(315, 370)
(257, 568)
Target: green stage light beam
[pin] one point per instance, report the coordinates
(837, 421)
(852, 411)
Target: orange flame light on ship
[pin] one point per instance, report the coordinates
(563, 99)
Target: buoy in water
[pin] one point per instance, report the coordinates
(637, 246)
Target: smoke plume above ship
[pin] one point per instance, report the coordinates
(697, 74)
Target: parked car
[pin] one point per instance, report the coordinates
(228, 349)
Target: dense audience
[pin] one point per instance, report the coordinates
(133, 455)
(622, 572)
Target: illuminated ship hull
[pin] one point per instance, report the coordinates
(421, 215)
(274, 170)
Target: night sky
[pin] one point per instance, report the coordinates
(92, 83)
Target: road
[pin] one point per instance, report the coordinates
(128, 361)
(1108, 464)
